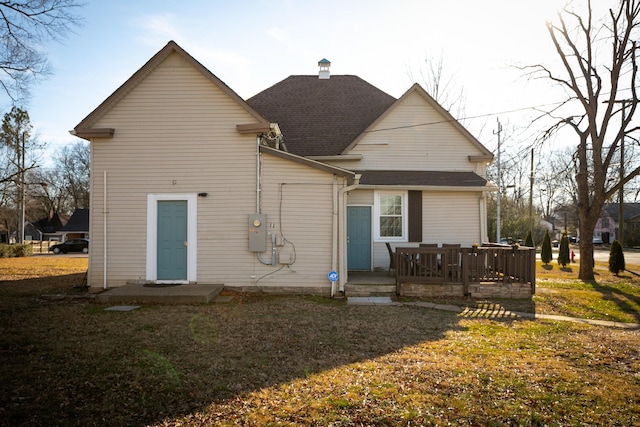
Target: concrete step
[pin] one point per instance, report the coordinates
(368, 290)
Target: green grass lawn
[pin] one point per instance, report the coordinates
(610, 297)
(290, 360)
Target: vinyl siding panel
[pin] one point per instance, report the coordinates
(448, 217)
(175, 134)
(360, 197)
(299, 204)
(413, 136)
(451, 218)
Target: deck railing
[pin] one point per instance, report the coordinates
(466, 265)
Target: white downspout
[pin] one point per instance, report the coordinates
(334, 243)
(484, 236)
(342, 247)
(104, 231)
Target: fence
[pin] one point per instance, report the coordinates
(488, 266)
(41, 246)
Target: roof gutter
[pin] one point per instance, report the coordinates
(488, 187)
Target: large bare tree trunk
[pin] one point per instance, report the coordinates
(600, 73)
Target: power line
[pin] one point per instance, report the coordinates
(466, 118)
(516, 110)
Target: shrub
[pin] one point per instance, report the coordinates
(563, 254)
(616, 258)
(546, 254)
(8, 251)
(529, 240)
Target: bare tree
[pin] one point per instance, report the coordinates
(25, 26)
(66, 182)
(19, 155)
(515, 222)
(45, 196)
(440, 83)
(70, 174)
(555, 182)
(600, 75)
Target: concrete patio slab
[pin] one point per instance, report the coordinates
(369, 301)
(122, 308)
(182, 294)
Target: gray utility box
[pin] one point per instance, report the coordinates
(257, 233)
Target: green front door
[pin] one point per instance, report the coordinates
(359, 238)
(172, 240)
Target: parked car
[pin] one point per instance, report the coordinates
(73, 245)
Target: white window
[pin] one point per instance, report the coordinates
(390, 219)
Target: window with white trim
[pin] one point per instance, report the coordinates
(390, 218)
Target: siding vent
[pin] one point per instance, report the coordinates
(324, 65)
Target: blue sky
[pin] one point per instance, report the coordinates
(251, 45)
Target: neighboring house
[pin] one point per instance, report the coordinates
(78, 225)
(546, 225)
(44, 229)
(191, 183)
(606, 230)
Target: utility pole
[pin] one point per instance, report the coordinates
(621, 191)
(21, 165)
(531, 197)
(499, 185)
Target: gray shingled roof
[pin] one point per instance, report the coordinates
(422, 178)
(79, 221)
(48, 225)
(321, 117)
(631, 210)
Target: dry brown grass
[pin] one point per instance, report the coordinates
(301, 361)
(40, 266)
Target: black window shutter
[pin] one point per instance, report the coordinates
(415, 216)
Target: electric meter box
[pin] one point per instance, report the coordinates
(257, 233)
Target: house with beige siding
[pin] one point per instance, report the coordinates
(422, 174)
(192, 184)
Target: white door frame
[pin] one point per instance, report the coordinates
(152, 236)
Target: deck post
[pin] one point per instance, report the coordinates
(464, 265)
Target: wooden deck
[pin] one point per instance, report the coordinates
(481, 271)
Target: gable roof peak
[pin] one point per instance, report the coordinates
(84, 128)
(417, 88)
